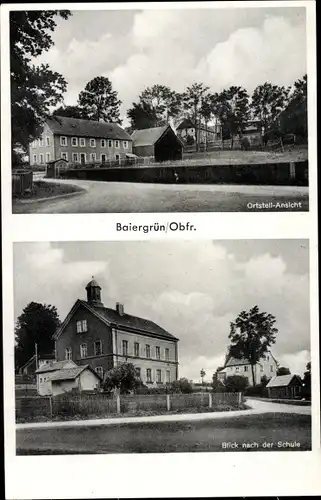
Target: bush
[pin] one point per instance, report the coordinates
(181, 386)
(245, 144)
(236, 383)
(259, 390)
(189, 140)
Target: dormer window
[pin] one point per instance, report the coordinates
(81, 326)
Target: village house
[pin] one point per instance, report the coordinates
(104, 338)
(267, 366)
(160, 143)
(186, 130)
(79, 141)
(285, 386)
(60, 377)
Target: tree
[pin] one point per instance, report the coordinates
(70, 112)
(251, 334)
(99, 101)
(34, 89)
(36, 325)
(232, 107)
(268, 101)
(217, 385)
(122, 378)
(283, 370)
(192, 100)
(164, 102)
(182, 386)
(307, 381)
(236, 383)
(294, 118)
(142, 116)
(203, 373)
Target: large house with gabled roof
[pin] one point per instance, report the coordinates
(104, 338)
(267, 366)
(79, 141)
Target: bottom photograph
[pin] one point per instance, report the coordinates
(162, 347)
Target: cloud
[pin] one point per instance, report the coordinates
(192, 289)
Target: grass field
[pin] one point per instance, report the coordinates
(42, 189)
(248, 432)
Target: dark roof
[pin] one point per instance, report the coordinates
(64, 125)
(282, 380)
(237, 362)
(186, 123)
(55, 161)
(129, 321)
(92, 283)
(148, 136)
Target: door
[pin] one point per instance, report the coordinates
(82, 158)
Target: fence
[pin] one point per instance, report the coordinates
(21, 181)
(103, 405)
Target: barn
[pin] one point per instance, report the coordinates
(285, 386)
(160, 142)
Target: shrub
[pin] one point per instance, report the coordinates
(245, 144)
(236, 383)
(181, 386)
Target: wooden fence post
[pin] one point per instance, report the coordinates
(210, 400)
(118, 403)
(240, 398)
(168, 402)
(50, 407)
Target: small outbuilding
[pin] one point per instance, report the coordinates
(54, 167)
(65, 376)
(160, 142)
(285, 387)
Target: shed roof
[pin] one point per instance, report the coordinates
(64, 125)
(58, 365)
(282, 380)
(70, 373)
(148, 136)
(186, 123)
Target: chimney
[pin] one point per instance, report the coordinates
(120, 309)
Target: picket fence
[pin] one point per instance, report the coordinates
(100, 404)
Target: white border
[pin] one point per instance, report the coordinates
(157, 475)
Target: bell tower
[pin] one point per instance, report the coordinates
(93, 293)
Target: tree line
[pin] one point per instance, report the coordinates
(35, 90)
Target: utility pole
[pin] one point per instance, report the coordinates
(36, 353)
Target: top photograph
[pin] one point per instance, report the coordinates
(159, 110)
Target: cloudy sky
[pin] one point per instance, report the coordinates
(220, 47)
(192, 289)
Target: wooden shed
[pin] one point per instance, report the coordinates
(285, 387)
(160, 142)
(54, 167)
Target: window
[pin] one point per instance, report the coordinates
(68, 353)
(125, 144)
(137, 371)
(92, 156)
(82, 157)
(75, 157)
(34, 158)
(110, 144)
(81, 326)
(98, 348)
(63, 141)
(47, 141)
(157, 352)
(147, 351)
(262, 369)
(48, 157)
(34, 144)
(159, 376)
(117, 144)
(83, 351)
(40, 379)
(41, 142)
(136, 349)
(246, 368)
(64, 156)
(92, 143)
(167, 354)
(267, 358)
(74, 141)
(117, 157)
(168, 376)
(237, 369)
(125, 347)
(41, 160)
(82, 142)
(149, 375)
(271, 368)
(103, 143)
(100, 371)
(103, 158)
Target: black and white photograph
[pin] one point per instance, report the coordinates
(159, 110)
(121, 348)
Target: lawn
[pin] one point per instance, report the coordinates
(43, 189)
(249, 432)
